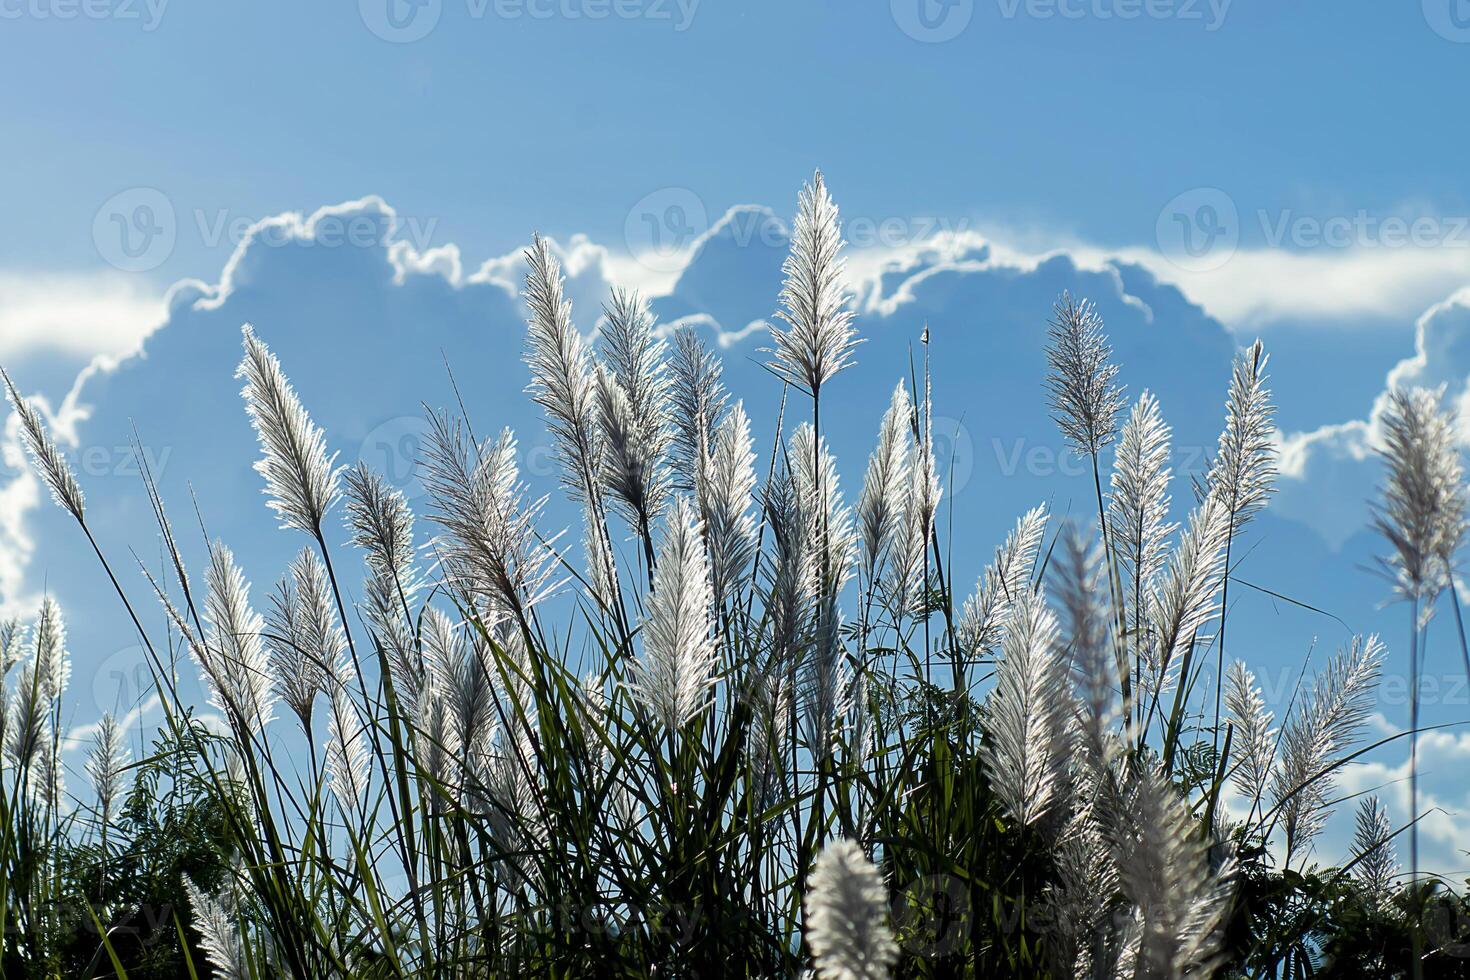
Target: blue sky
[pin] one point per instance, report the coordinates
(1206, 173)
(495, 124)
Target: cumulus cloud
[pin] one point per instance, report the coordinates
(1444, 799)
(106, 313)
(365, 329)
(1332, 471)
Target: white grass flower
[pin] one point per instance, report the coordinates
(384, 608)
(233, 658)
(1187, 597)
(1373, 850)
(1328, 722)
(631, 470)
(381, 522)
(1422, 513)
(463, 680)
(846, 916)
(925, 490)
(25, 722)
(562, 380)
(985, 614)
(1077, 586)
(48, 651)
(1165, 871)
(822, 680)
(299, 475)
(1084, 398)
(304, 636)
(677, 666)
(791, 598)
(489, 547)
(904, 587)
(1255, 739)
(219, 931)
(1028, 713)
(820, 337)
(885, 486)
(1243, 474)
(48, 778)
(347, 765)
(633, 408)
(770, 731)
(11, 647)
(726, 487)
(697, 400)
(106, 766)
(55, 472)
(827, 517)
(601, 568)
(1138, 501)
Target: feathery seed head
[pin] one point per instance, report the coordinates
(1028, 714)
(677, 666)
(827, 518)
(106, 765)
(304, 637)
(1373, 844)
(820, 337)
(1422, 511)
(219, 932)
(1244, 469)
(1084, 396)
(381, 522)
(562, 380)
(1138, 502)
(347, 755)
(698, 400)
(986, 614)
(300, 477)
(884, 496)
(1255, 739)
(45, 454)
(48, 651)
(846, 916)
(489, 547)
(233, 658)
(1325, 725)
(724, 491)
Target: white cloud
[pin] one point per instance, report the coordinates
(1444, 799)
(1332, 288)
(80, 736)
(108, 313)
